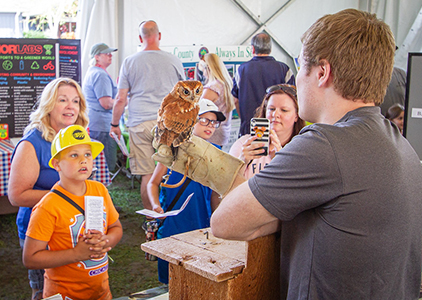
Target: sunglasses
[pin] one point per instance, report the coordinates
(287, 88)
(205, 122)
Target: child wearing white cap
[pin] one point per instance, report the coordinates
(197, 213)
(75, 259)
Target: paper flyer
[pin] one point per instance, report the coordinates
(156, 215)
(121, 144)
(55, 297)
(94, 212)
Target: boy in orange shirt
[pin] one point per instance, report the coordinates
(75, 259)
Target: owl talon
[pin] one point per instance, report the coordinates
(164, 155)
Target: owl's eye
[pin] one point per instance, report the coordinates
(186, 92)
(197, 91)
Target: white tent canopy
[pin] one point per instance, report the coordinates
(233, 22)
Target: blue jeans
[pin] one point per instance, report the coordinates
(110, 147)
(36, 277)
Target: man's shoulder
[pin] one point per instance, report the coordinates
(353, 123)
(262, 62)
(148, 53)
(152, 56)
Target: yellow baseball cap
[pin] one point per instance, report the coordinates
(71, 136)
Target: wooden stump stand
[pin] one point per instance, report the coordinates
(205, 267)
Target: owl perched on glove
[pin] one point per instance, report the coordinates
(178, 113)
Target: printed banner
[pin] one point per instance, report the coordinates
(26, 67)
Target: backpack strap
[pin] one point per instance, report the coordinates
(69, 200)
(179, 193)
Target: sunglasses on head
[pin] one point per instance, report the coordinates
(287, 88)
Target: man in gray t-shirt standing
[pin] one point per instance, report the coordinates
(145, 79)
(345, 191)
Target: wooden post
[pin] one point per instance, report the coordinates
(205, 267)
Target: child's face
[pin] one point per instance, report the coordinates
(205, 131)
(74, 163)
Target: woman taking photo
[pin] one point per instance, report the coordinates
(281, 108)
(218, 90)
(61, 104)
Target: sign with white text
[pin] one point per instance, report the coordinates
(26, 67)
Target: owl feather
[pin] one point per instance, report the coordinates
(178, 113)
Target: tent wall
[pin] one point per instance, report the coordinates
(232, 22)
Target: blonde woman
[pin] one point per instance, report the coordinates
(61, 104)
(218, 90)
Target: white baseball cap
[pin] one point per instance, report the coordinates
(206, 105)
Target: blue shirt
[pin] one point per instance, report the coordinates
(98, 84)
(46, 179)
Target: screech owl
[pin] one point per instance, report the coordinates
(178, 113)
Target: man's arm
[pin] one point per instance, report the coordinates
(236, 104)
(215, 200)
(118, 109)
(241, 217)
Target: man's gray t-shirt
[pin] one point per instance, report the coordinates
(149, 76)
(349, 199)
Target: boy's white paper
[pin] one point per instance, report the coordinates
(94, 212)
(121, 144)
(156, 215)
(55, 297)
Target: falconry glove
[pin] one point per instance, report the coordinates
(203, 163)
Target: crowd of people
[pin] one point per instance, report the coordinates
(347, 231)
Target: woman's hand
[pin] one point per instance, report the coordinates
(251, 151)
(275, 144)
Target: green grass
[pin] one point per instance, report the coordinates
(129, 273)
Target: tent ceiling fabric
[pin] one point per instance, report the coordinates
(233, 22)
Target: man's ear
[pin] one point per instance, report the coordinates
(324, 72)
(140, 38)
(159, 36)
(253, 50)
(55, 163)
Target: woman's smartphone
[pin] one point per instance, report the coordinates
(261, 128)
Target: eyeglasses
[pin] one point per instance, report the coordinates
(287, 88)
(205, 122)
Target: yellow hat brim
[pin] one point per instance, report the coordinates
(96, 148)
